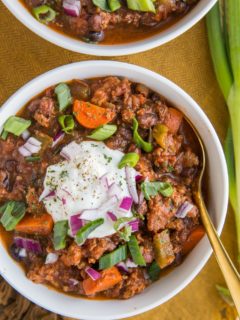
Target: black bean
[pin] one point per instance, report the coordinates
(94, 36)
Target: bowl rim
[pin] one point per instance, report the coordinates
(173, 87)
(79, 46)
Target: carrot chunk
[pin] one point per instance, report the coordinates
(109, 278)
(173, 120)
(42, 225)
(194, 237)
(91, 116)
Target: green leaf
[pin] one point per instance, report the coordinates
(112, 258)
(151, 189)
(154, 271)
(60, 234)
(146, 146)
(135, 251)
(12, 213)
(84, 232)
(103, 132)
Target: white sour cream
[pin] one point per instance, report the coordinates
(78, 185)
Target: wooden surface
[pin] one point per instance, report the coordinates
(186, 61)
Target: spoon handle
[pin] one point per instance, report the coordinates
(230, 273)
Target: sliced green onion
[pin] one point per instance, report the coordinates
(151, 189)
(112, 258)
(130, 159)
(4, 134)
(121, 221)
(33, 159)
(16, 125)
(66, 123)
(141, 5)
(135, 251)
(84, 232)
(63, 95)
(103, 133)
(146, 146)
(154, 271)
(44, 13)
(60, 234)
(12, 212)
(114, 5)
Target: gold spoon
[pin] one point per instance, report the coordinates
(230, 273)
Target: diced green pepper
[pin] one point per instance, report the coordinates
(163, 249)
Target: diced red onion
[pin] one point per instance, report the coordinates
(46, 193)
(134, 225)
(24, 152)
(130, 264)
(76, 223)
(34, 142)
(73, 282)
(122, 267)
(138, 178)
(114, 189)
(22, 253)
(51, 258)
(131, 182)
(126, 203)
(64, 201)
(104, 181)
(59, 136)
(184, 209)
(93, 273)
(72, 7)
(104, 208)
(112, 216)
(31, 148)
(26, 134)
(69, 151)
(28, 244)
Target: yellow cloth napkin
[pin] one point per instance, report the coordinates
(186, 61)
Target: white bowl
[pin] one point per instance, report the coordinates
(64, 41)
(172, 283)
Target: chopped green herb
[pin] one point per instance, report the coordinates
(135, 251)
(112, 258)
(60, 234)
(103, 132)
(125, 233)
(154, 271)
(146, 146)
(130, 159)
(151, 189)
(122, 220)
(84, 232)
(12, 212)
(33, 159)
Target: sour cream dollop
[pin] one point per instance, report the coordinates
(78, 185)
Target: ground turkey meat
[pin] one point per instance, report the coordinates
(95, 248)
(45, 112)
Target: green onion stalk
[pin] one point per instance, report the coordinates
(223, 25)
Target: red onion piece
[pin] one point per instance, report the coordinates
(69, 151)
(59, 136)
(34, 142)
(130, 264)
(131, 182)
(104, 181)
(114, 189)
(26, 134)
(138, 178)
(24, 152)
(93, 273)
(51, 258)
(104, 208)
(126, 203)
(28, 244)
(122, 267)
(134, 225)
(184, 209)
(112, 216)
(72, 7)
(46, 193)
(73, 282)
(64, 201)
(76, 223)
